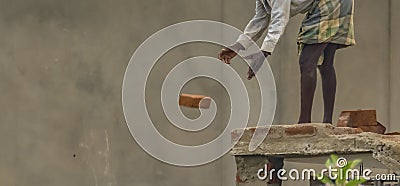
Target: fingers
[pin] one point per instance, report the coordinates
(254, 67)
(256, 58)
(228, 60)
(250, 74)
(224, 57)
(221, 54)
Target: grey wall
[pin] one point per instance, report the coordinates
(394, 65)
(62, 65)
(61, 71)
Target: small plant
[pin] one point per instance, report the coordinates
(340, 178)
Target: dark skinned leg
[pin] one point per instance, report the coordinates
(277, 164)
(308, 68)
(328, 75)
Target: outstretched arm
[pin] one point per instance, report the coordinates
(280, 14)
(256, 27)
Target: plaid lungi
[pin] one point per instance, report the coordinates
(329, 21)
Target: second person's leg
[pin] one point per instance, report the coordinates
(328, 75)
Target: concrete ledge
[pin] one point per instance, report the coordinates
(308, 140)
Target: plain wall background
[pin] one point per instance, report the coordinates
(61, 70)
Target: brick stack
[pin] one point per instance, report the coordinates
(363, 119)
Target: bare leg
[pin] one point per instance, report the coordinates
(308, 68)
(328, 75)
(277, 164)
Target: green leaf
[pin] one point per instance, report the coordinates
(355, 163)
(350, 165)
(341, 176)
(329, 163)
(356, 182)
(334, 158)
(325, 179)
(346, 168)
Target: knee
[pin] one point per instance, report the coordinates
(325, 68)
(307, 70)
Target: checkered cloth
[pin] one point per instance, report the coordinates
(328, 21)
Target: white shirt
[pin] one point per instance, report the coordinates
(276, 13)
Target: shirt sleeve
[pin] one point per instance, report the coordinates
(280, 14)
(256, 27)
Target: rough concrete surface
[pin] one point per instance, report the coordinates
(307, 140)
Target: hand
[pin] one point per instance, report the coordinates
(227, 54)
(257, 60)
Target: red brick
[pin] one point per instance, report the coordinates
(194, 101)
(238, 179)
(347, 130)
(343, 119)
(300, 130)
(379, 128)
(393, 134)
(357, 118)
(236, 135)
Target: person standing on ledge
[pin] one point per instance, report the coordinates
(327, 26)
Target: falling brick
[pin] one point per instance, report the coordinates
(379, 128)
(357, 118)
(194, 101)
